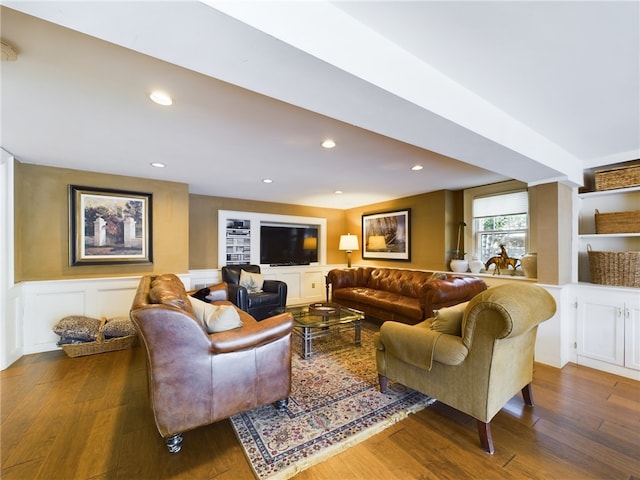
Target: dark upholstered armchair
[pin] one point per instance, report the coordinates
(259, 305)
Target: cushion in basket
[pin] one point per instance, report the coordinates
(70, 341)
(77, 327)
(449, 320)
(118, 327)
(216, 318)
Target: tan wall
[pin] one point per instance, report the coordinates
(185, 226)
(434, 222)
(42, 223)
(203, 225)
(552, 204)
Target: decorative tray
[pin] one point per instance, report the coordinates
(324, 308)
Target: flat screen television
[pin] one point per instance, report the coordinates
(288, 244)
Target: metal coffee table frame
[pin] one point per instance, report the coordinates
(309, 326)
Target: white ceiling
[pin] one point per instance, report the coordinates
(535, 91)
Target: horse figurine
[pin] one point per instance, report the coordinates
(502, 261)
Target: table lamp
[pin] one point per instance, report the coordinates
(349, 243)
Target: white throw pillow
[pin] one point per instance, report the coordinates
(216, 318)
(251, 281)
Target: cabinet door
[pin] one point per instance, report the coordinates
(600, 328)
(632, 336)
(314, 286)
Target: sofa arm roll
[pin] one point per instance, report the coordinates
(276, 286)
(252, 335)
(341, 278)
(419, 346)
(454, 290)
(349, 277)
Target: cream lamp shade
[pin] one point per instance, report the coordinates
(349, 243)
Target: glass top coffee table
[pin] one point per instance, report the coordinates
(321, 319)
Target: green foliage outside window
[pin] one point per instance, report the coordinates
(507, 230)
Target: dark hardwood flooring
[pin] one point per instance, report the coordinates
(89, 418)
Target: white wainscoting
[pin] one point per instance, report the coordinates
(37, 306)
(46, 302)
(555, 339)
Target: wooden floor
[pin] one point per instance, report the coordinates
(89, 418)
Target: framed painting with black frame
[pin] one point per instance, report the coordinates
(387, 235)
(109, 226)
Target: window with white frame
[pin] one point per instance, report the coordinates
(501, 219)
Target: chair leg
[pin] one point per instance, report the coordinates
(382, 380)
(281, 404)
(527, 395)
(174, 443)
(486, 441)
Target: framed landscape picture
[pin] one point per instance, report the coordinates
(109, 226)
(387, 235)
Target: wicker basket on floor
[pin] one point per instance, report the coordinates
(100, 345)
(621, 269)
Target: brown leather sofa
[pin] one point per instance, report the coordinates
(196, 378)
(407, 296)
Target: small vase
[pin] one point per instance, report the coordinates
(459, 266)
(529, 264)
(475, 265)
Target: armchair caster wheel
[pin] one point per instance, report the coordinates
(281, 404)
(174, 443)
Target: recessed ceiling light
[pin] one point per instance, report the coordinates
(417, 167)
(328, 143)
(338, 192)
(267, 180)
(157, 164)
(161, 98)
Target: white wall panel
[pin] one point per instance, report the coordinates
(43, 309)
(47, 302)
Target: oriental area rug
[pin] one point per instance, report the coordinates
(335, 403)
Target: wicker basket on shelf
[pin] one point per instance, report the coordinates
(614, 178)
(100, 345)
(621, 269)
(618, 222)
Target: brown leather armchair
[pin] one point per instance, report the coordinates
(273, 296)
(481, 366)
(196, 378)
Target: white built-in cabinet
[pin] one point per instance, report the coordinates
(239, 243)
(609, 201)
(608, 317)
(305, 283)
(608, 328)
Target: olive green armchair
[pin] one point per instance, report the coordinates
(473, 357)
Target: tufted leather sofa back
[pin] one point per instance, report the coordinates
(408, 283)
